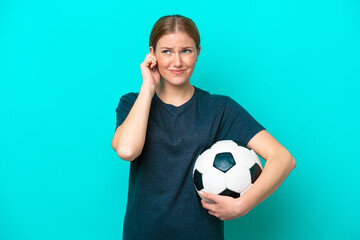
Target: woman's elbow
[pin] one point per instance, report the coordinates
(123, 152)
(288, 159)
(125, 155)
(292, 162)
(285, 158)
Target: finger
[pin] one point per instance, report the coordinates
(150, 63)
(208, 206)
(210, 196)
(147, 62)
(154, 57)
(212, 213)
(154, 65)
(216, 215)
(151, 57)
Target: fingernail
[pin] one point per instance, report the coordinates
(201, 193)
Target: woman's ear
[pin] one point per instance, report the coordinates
(198, 52)
(151, 49)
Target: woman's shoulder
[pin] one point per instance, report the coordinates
(212, 96)
(219, 101)
(129, 97)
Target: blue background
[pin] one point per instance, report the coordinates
(294, 65)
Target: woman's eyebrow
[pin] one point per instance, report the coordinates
(172, 48)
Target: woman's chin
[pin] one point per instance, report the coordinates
(176, 81)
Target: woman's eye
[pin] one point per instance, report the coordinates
(168, 51)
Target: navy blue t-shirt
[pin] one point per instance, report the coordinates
(162, 200)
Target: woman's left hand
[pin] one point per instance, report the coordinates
(224, 208)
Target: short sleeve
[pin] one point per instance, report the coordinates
(125, 104)
(237, 124)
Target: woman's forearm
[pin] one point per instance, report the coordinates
(276, 169)
(130, 136)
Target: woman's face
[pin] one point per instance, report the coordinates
(176, 56)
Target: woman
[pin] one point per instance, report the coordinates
(163, 128)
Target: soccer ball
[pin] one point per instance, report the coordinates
(226, 169)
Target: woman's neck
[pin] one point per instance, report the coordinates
(175, 95)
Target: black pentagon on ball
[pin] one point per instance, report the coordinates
(198, 180)
(224, 161)
(255, 171)
(228, 192)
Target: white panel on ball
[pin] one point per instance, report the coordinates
(214, 180)
(204, 161)
(257, 160)
(224, 146)
(228, 174)
(238, 178)
(244, 157)
(246, 190)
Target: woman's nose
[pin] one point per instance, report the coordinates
(177, 60)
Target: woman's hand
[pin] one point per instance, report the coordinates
(150, 77)
(224, 208)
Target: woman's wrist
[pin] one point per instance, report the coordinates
(148, 88)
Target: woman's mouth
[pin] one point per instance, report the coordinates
(177, 71)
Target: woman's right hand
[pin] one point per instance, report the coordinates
(150, 77)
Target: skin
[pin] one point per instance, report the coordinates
(279, 164)
(178, 51)
(129, 137)
(176, 89)
(175, 51)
